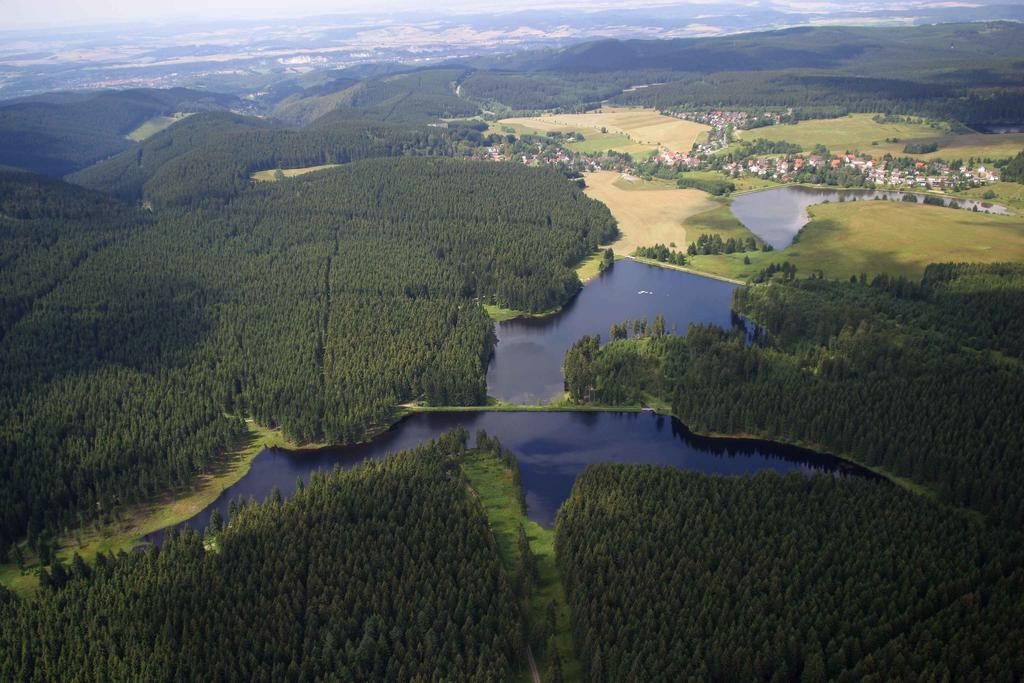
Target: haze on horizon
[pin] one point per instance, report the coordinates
(38, 14)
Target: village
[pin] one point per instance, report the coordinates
(720, 152)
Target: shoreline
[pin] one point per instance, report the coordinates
(165, 510)
(174, 507)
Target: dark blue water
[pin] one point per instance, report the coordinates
(527, 365)
(778, 214)
(552, 449)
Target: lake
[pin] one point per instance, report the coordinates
(527, 364)
(554, 447)
(778, 214)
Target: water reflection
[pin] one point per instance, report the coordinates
(552, 448)
(777, 215)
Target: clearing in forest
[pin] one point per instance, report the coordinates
(271, 174)
(627, 129)
(154, 125)
(648, 212)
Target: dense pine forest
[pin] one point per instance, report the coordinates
(210, 157)
(157, 296)
(923, 379)
(385, 572)
(678, 576)
(959, 72)
(63, 132)
(133, 347)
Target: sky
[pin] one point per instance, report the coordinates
(37, 13)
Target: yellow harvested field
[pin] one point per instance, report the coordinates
(271, 175)
(647, 217)
(644, 127)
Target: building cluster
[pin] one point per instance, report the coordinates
(852, 169)
(897, 173)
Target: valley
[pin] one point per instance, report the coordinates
(653, 358)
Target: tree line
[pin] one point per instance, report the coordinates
(921, 378)
(384, 572)
(676, 576)
(315, 305)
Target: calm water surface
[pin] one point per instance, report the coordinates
(777, 215)
(553, 448)
(527, 364)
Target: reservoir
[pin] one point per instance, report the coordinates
(776, 215)
(554, 447)
(527, 364)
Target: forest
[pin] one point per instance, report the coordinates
(678, 576)
(384, 572)
(134, 343)
(62, 132)
(807, 71)
(210, 157)
(895, 374)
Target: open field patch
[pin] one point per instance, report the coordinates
(648, 217)
(860, 133)
(645, 128)
(977, 145)
(1010, 195)
(849, 238)
(155, 125)
(855, 132)
(271, 174)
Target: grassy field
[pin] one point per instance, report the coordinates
(977, 145)
(645, 129)
(270, 175)
(154, 126)
(745, 183)
(873, 237)
(1010, 195)
(595, 141)
(859, 133)
(167, 510)
(855, 132)
(492, 481)
(598, 143)
(649, 217)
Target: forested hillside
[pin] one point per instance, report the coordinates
(58, 137)
(416, 96)
(211, 157)
(385, 572)
(964, 72)
(316, 304)
(674, 576)
(922, 379)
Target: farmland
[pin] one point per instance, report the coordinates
(648, 213)
(643, 129)
(849, 238)
(855, 132)
(861, 133)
